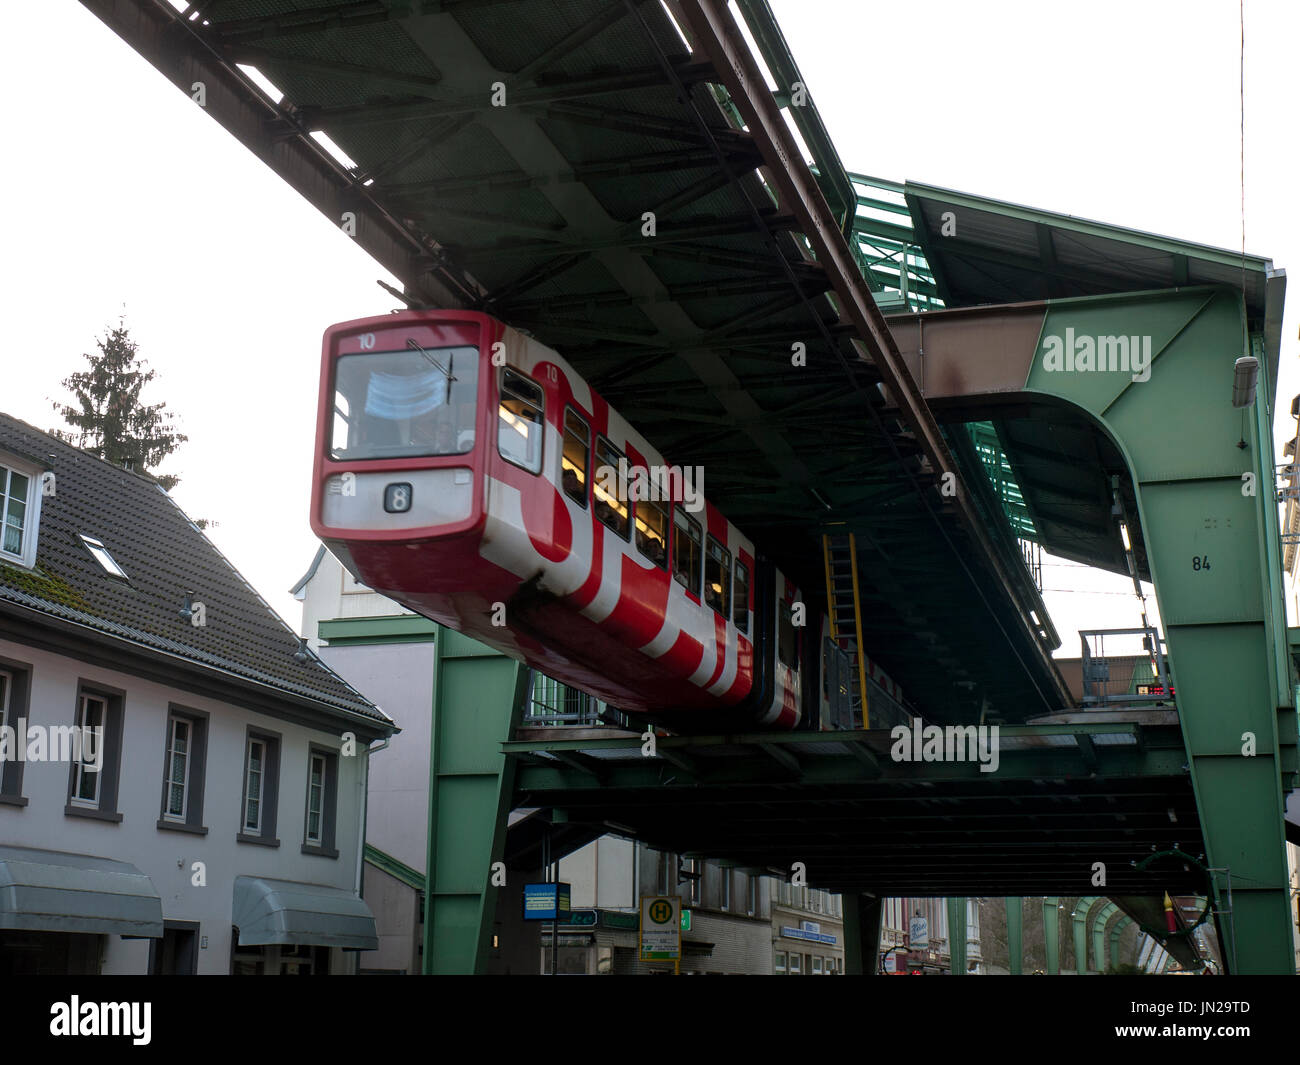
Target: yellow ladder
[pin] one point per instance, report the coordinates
(840, 555)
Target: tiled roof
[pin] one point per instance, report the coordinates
(165, 556)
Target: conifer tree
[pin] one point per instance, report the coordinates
(107, 416)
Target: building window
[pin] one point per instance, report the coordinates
(315, 798)
(253, 786)
(261, 789)
(95, 754)
(352, 586)
(751, 896)
(183, 771)
(322, 790)
(6, 686)
(15, 684)
(780, 963)
(15, 495)
(694, 881)
(22, 485)
(667, 871)
(179, 739)
(796, 964)
(92, 712)
(573, 460)
(817, 966)
(519, 433)
(726, 888)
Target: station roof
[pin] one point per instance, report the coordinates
(973, 251)
(535, 212)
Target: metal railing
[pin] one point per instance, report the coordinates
(1125, 678)
(553, 703)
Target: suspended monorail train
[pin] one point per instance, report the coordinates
(465, 470)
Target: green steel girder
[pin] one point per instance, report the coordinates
(1213, 544)
(1099, 935)
(1202, 476)
(1079, 927)
(286, 23)
(369, 115)
(957, 936)
(863, 916)
(478, 699)
(1052, 933)
(1116, 931)
(1136, 758)
(511, 180)
(1015, 934)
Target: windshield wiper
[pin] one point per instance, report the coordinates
(445, 371)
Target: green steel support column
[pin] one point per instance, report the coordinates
(1115, 933)
(862, 917)
(1016, 935)
(1079, 923)
(478, 698)
(957, 937)
(1104, 914)
(1052, 934)
(1209, 521)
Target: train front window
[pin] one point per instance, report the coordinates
(717, 577)
(686, 551)
(519, 427)
(394, 404)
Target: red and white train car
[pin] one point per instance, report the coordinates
(462, 469)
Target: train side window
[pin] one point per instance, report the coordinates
(686, 551)
(787, 648)
(611, 510)
(519, 432)
(717, 577)
(573, 461)
(652, 532)
(741, 615)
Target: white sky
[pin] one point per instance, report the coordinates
(121, 192)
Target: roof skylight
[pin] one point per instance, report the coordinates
(102, 556)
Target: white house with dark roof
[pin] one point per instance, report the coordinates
(182, 781)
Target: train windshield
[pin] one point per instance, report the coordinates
(395, 404)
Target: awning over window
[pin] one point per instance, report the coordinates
(286, 912)
(51, 891)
